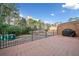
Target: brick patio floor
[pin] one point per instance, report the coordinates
(52, 46)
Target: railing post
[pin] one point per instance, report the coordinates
(46, 32)
(32, 35)
(57, 29)
(0, 43)
(53, 32)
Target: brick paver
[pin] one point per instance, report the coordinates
(52, 46)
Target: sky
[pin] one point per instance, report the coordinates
(49, 12)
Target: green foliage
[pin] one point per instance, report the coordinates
(18, 31)
(11, 11)
(23, 26)
(13, 30)
(36, 24)
(7, 10)
(26, 30)
(3, 28)
(10, 29)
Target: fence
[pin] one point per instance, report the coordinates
(35, 35)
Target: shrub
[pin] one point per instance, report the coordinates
(26, 30)
(10, 29)
(3, 28)
(13, 30)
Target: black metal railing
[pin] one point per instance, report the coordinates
(26, 38)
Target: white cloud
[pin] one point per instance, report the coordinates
(29, 17)
(36, 19)
(46, 22)
(63, 11)
(71, 5)
(52, 14)
(21, 15)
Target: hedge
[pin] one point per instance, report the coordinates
(10, 29)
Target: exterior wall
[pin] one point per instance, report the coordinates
(70, 25)
(53, 28)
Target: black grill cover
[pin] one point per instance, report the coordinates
(69, 33)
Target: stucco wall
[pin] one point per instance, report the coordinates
(70, 25)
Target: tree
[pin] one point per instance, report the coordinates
(7, 10)
(22, 22)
